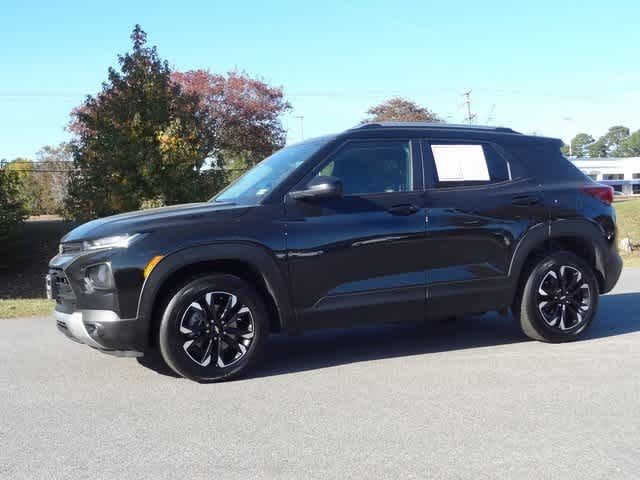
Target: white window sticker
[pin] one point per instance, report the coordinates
(459, 163)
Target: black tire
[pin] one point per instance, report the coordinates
(188, 332)
(547, 309)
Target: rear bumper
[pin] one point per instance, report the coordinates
(612, 270)
(100, 329)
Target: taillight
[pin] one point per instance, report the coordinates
(604, 193)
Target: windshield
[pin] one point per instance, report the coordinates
(266, 175)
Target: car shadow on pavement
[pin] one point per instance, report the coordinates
(618, 314)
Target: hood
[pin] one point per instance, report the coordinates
(148, 220)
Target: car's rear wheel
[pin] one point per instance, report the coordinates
(213, 328)
(559, 299)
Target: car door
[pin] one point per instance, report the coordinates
(359, 257)
(476, 214)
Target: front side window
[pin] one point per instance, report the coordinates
(266, 175)
(613, 176)
(368, 167)
(467, 164)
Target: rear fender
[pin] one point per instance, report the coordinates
(542, 235)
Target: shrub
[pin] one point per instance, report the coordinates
(12, 211)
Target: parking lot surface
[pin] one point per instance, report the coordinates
(471, 398)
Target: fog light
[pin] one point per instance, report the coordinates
(98, 277)
(92, 329)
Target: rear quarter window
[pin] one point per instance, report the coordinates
(542, 159)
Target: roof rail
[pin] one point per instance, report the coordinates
(444, 126)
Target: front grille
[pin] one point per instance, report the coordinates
(60, 288)
(70, 247)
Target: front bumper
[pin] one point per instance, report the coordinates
(92, 319)
(100, 329)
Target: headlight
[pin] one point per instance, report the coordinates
(116, 241)
(98, 277)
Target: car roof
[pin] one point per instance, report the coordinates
(449, 130)
(444, 130)
(434, 126)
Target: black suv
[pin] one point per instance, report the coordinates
(385, 222)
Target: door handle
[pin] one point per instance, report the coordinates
(403, 209)
(525, 200)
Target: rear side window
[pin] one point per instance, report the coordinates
(467, 164)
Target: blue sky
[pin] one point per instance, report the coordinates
(551, 67)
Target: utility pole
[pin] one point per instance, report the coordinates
(470, 117)
(569, 119)
(301, 118)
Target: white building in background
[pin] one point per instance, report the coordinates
(623, 174)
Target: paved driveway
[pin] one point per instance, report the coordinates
(469, 399)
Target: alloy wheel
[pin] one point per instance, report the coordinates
(564, 298)
(217, 328)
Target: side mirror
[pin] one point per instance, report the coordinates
(319, 187)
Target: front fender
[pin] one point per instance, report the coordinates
(257, 257)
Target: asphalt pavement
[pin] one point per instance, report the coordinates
(470, 399)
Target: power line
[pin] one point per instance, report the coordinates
(36, 170)
(6, 162)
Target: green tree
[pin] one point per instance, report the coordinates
(614, 138)
(12, 211)
(42, 184)
(399, 109)
(580, 144)
(141, 138)
(598, 149)
(54, 166)
(630, 147)
(32, 190)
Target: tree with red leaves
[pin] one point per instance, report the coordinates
(245, 110)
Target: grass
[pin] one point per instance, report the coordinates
(25, 307)
(628, 214)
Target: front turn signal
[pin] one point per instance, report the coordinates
(151, 265)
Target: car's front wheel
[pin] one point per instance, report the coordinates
(559, 299)
(213, 328)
